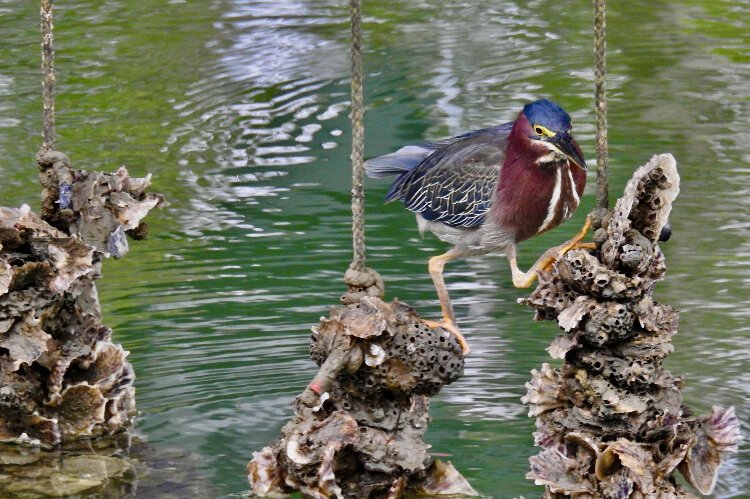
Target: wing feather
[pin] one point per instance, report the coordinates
(456, 183)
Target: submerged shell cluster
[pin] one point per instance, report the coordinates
(121, 466)
(358, 428)
(611, 421)
(61, 376)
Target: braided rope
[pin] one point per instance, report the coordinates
(358, 138)
(600, 96)
(48, 76)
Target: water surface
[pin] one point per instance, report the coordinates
(239, 108)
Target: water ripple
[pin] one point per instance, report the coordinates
(241, 110)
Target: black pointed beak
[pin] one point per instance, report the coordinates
(568, 145)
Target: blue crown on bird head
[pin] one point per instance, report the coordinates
(547, 112)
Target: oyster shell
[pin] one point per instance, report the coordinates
(63, 378)
(610, 421)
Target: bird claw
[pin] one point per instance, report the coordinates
(544, 263)
(554, 254)
(451, 327)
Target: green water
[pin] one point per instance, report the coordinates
(240, 111)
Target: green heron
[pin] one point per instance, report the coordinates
(487, 190)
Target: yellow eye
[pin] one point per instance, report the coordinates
(543, 132)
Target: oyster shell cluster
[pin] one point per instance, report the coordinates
(610, 421)
(357, 429)
(61, 376)
(118, 467)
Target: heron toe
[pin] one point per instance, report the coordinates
(452, 328)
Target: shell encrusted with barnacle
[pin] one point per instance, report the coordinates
(358, 428)
(610, 421)
(62, 377)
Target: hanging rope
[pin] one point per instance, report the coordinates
(600, 96)
(358, 138)
(48, 76)
(361, 281)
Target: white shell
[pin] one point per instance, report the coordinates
(293, 453)
(323, 397)
(375, 356)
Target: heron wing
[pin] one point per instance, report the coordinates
(455, 184)
(405, 158)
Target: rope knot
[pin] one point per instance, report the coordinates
(362, 282)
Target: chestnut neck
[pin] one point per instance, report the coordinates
(526, 188)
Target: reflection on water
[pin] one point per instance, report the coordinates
(239, 108)
(113, 467)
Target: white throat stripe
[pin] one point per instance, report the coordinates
(573, 187)
(553, 202)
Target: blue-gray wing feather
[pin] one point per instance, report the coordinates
(402, 160)
(455, 183)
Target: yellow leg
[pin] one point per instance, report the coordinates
(436, 265)
(525, 279)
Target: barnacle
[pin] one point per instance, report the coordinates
(264, 474)
(375, 356)
(613, 402)
(25, 342)
(571, 316)
(561, 345)
(378, 364)
(109, 205)
(625, 372)
(550, 297)
(545, 391)
(723, 428)
(636, 457)
(585, 274)
(444, 480)
(559, 473)
(713, 436)
(649, 199)
(607, 323)
(400, 352)
(63, 378)
(607, 399)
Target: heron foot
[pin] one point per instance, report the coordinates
(558, 252)
(554, 254)
(452, 328)
(525, 279)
